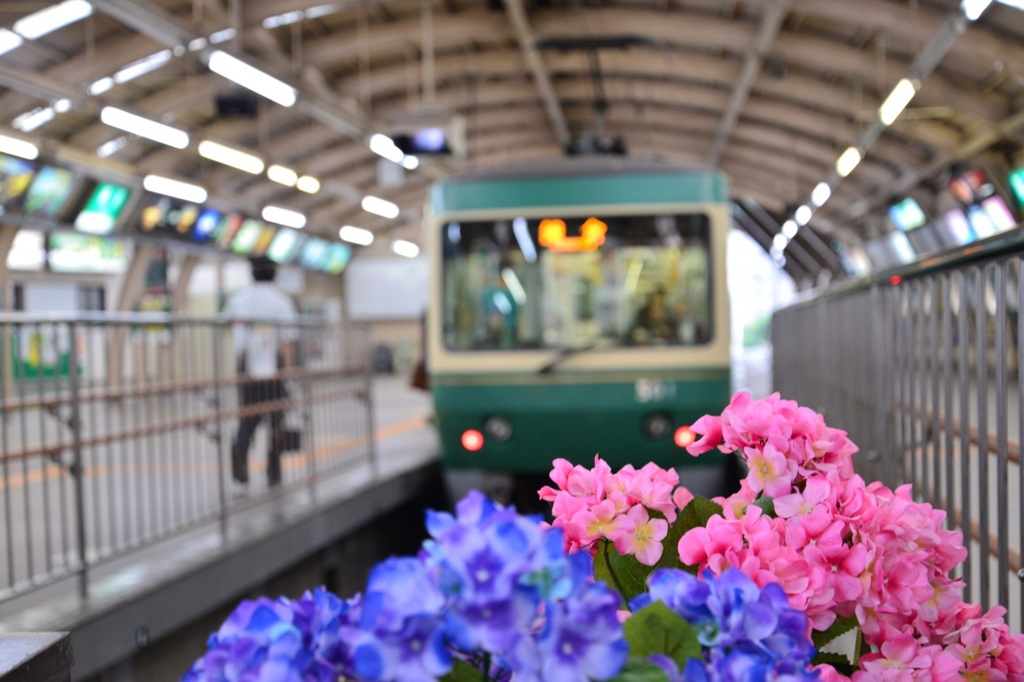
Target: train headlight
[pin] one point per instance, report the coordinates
(657, 425)
(472, 440)
(684, 436)
(498, 428)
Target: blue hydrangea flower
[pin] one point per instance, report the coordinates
(748, 633)
(271, 640)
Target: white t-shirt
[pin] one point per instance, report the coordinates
(260, 343)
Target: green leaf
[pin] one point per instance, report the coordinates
(694, 515)
(624, 573)
(462, 672)
(842, 625)
(640, 670)
(766, 504)
(838, 661)
(656, 629)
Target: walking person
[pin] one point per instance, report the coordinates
(263, 317)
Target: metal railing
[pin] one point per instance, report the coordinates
(922, 367)
(116, 431)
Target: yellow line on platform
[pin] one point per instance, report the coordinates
(289, 462)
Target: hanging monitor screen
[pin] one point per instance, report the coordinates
(337, 258)
(248, 235)
(907, 215)
(958, 227)
(48, 192)
(15, 177)
(1016, 179)
(313, 253)
(206, 223)
(284, 247)
(71, 252)
(102, 209)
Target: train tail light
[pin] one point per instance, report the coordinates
(684, 436)
(472, 440)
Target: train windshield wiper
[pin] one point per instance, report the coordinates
(564, 354)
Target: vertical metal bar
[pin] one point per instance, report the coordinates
(371, 439)
(883, 408)
(965, 433)
(44, 480)
(102, 499)
(1002, 463)
(78, 471)
(947, 392)
(1020, 427)
(302, 353)
(906, 384)
(218, 429)
(983, 428)
(119, 511)
(14, 356)
(21, 382)
(935, 287)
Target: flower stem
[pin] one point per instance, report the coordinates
(611, 571)
(486, 669)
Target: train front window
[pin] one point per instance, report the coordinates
(574, 282)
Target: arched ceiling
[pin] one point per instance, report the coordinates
(770, 91)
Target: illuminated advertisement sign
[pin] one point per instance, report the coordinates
(104, 206)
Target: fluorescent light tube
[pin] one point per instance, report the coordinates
(382, 145)
(143, 66)
(820, 194)
(62, 105)
(405, 248)
(308, 184)
(847, 161)
(38, 24)
(897, 101)
(356, 235)
(31, 120)
(112, 147)
(790, 228)
(144, 127)
(100, 86)
(16, 147)
(9, 40)
(282, 175)
(284, 216)
(410, 163)
(381, 207)
(250, 77)
(780, 242)
(222, 36)
(174, 188)
(214, 151)
(803, 215)
(972, 9)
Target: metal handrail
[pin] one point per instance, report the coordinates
(116, 430)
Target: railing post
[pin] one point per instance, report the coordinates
(77, 465)
(308, 439)
(368, 396)
(218, 428)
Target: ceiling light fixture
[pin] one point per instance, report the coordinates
(972, 9)
(282, 175)
(897, 101)
(308, 184)
(19, 148)
(356, 235)
(847, 161)
(803, 214)
(405, 248)
(9, 40)
(143, 66)
(790, 228)
(100, 86)
(174, 188)
(820, 194)
(410, 163)
(38, 24)
(381, 207)
(247, 76)
(144, 127)
(284, 216)
(31, 120)
(382, 145)
(243, 161)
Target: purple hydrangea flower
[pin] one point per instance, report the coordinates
(748, 633)
(273, 640)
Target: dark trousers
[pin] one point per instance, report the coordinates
(251, 393)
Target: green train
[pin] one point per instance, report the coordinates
(579, 307)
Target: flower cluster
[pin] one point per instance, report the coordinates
(630, 508)
(491, 591)
(845, 553)
(747, 633)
